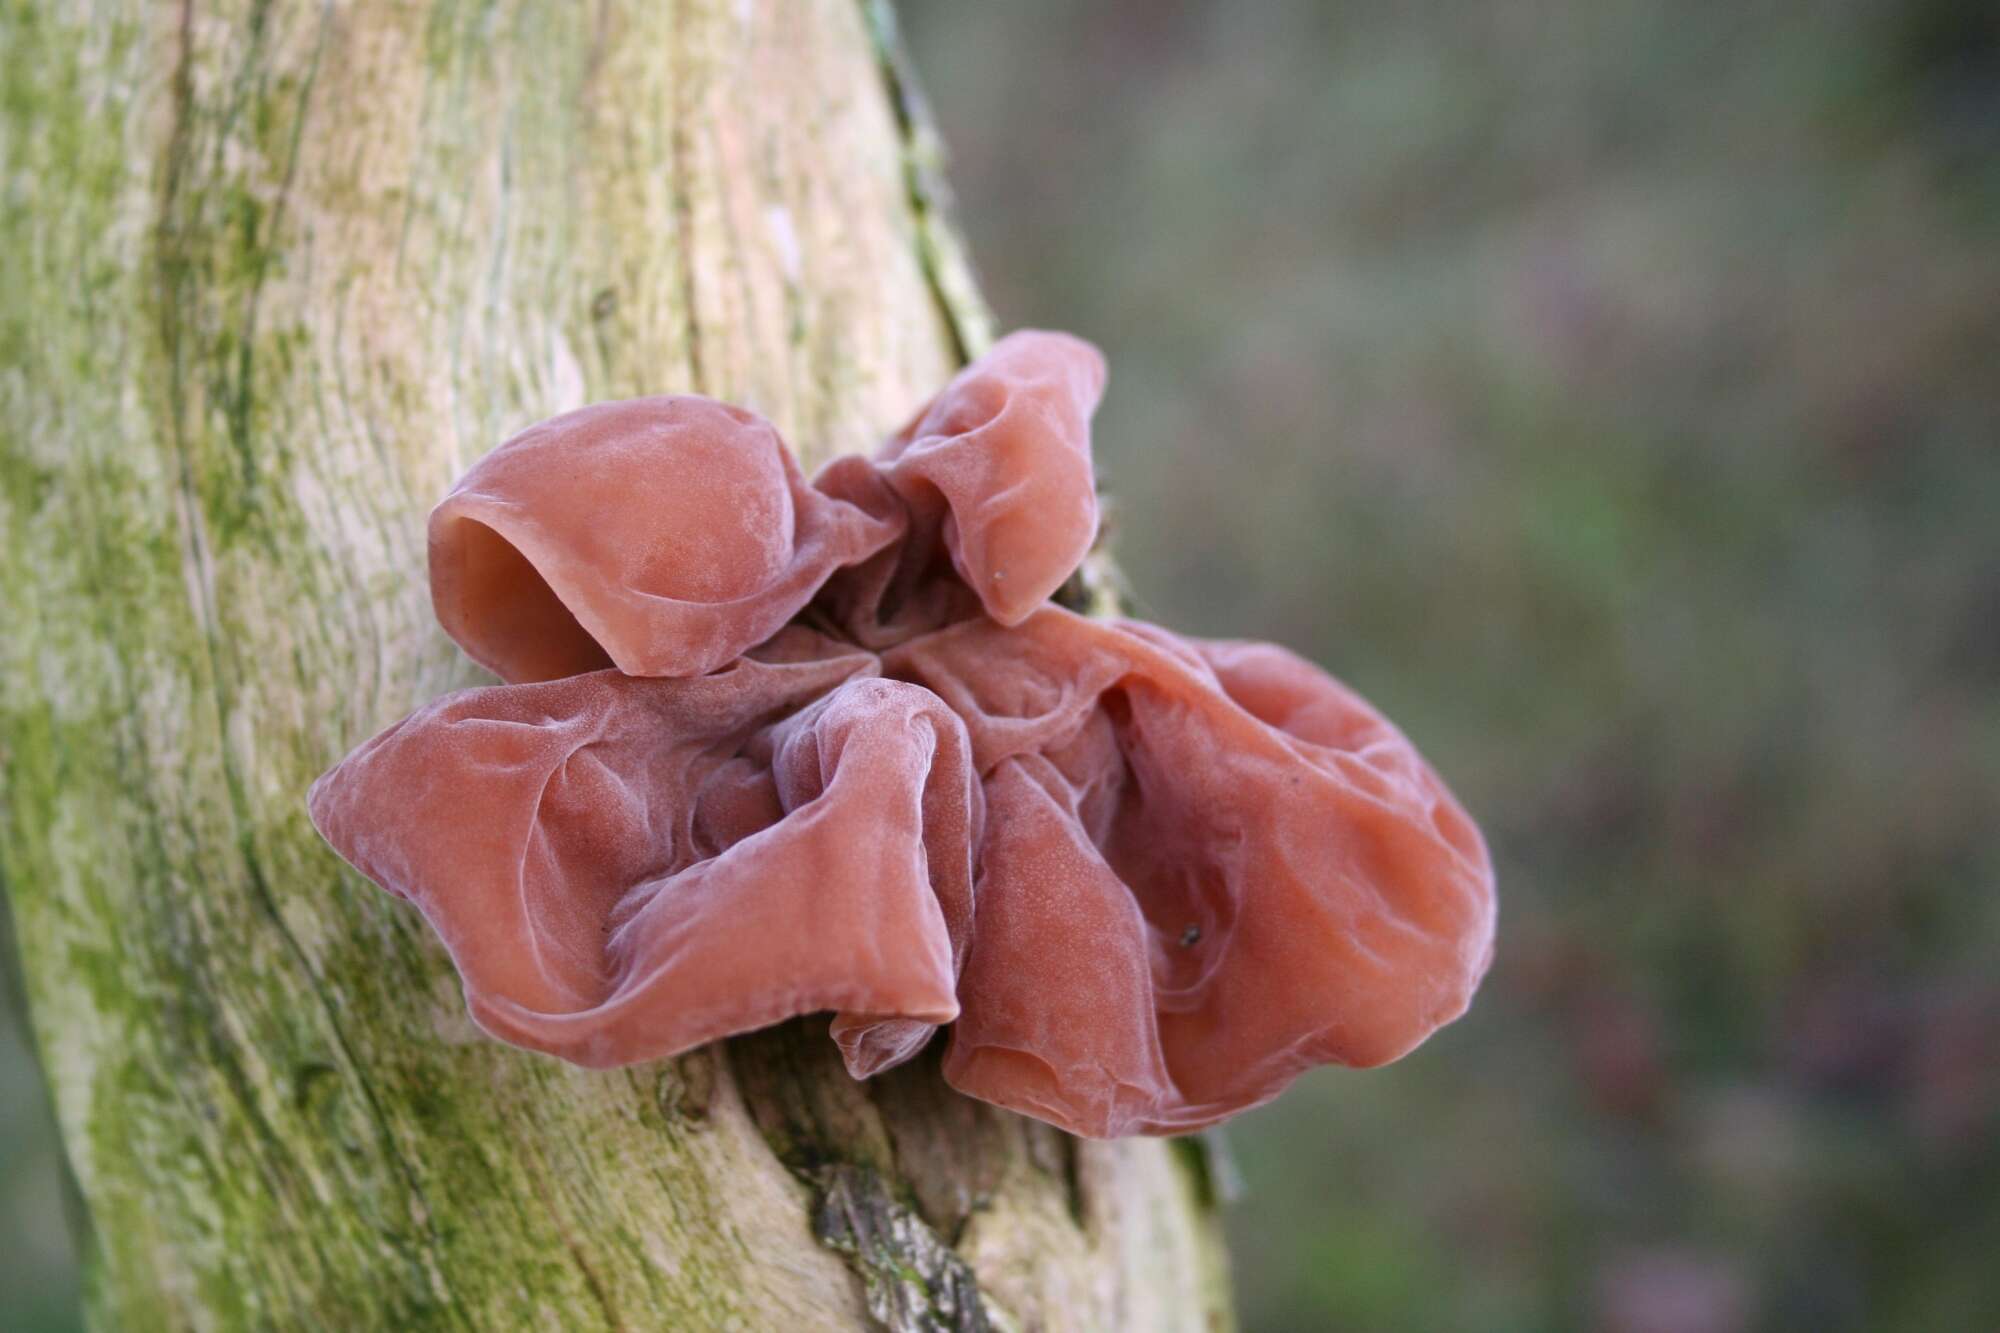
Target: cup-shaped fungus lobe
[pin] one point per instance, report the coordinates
(661, 535)
(624, 868)
(995, 478)
(1206, 867)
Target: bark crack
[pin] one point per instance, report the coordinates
(912, 1280)
(940, 249)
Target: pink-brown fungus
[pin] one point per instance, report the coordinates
(661, 535)
(1206, 868)
(667, 535)
(850, 759)
(1006, 450)
(995, 478)
(624, 868)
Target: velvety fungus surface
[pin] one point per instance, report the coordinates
(771, 747)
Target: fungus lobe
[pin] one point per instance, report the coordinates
(626, 867)
(770, 748)
(1208, 867)
(664, 536)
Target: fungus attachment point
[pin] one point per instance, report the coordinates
(772, 748)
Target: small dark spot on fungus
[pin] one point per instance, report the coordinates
(771, 747)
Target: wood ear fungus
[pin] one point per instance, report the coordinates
(771, 747)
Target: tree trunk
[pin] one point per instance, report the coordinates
(270, 276)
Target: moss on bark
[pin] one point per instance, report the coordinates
(272, 275)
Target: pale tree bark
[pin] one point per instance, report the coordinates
(271, 274)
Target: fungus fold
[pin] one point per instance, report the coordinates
(769, 747)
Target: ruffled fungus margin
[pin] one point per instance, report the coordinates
(771, 747)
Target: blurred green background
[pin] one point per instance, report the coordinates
(1611, 391)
